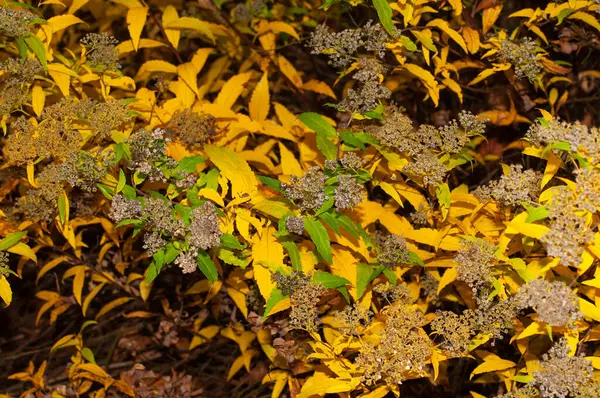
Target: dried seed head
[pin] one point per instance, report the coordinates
(101, 50)
(295, 225)
(522, 55)
(514, 188)
(354, 318)
(349, 192)
(475, 260)
(554, 302)
(122, 209)
(191, 128)
(307, 191)
(391, 249)
(187, 262)
(15, 22)
(305, 313)
(153, 242)
(205, 227)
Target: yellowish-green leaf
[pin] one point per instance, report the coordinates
(493, 365)
(5, 290)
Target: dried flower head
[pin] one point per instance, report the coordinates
(522, 55)
(288, 284)
(456, 331)
(191, 128)
(392, 293)
(352, 161)
(3, 263)
(514, 188)
(349, 192)
(107, 116)
(15, 22)
(159, 214)
(205, 232)
(307, 191)
(427, 167)
(365, 98)
(241, 13)
(391, 249)
(554, 302)
(101, 51)
(403, 349)
(342, 46)
(147, 148)
(187, 262)
(153, 242)
(122, 208)
(354, 319)
(295, 225)
(475, 260)
(562, 375)
(568, 229)
(305, 313)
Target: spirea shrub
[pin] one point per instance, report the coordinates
(323, 198)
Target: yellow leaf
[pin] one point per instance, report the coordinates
(187, 73)
(232, 89)
(193, 24)
(127, 46)
(552, 166)
(443, 26)
(454, 86)
(320, 384)
(275, 207)
(259, 103)
(489, 72)
(61, 22)
(289, 164)
(173, 35)
(266, 250)
(519, 224)
(587, 18)
(31, 175)
(153, 66)
(136, 18)
(449, 276)
(93, 369)
(23, 250)
(390, 190)
(457, 6)
(5, 290)
(76, 5)
(236, 170)
(112, 305)
(278, 27)
(471, 37)
(492, 365)
(535, 29)
(428, 80)
(78, 282)
(289, 71)
(589, 309)
(212, 195)
(489, 17)
(49, 266)
(90, 297)
(319, 87)
(62, 76)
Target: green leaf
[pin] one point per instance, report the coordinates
(563, 14)
(331, 220)
(408, 43)
(129, 192)
(442, 192)
(129, 221)
(106, 191)
(22, 47)
(391, 275)
(316, 122)
(189, 163)
(231, 242)
(275, 297)
(536, 213)
(319, 236)
(207, 266)
(171, 253)
(344, 291)
(212, 179)
(122, 181)
(36, 45)
(271, 183)
(11, 239)
(365, 274)
(328, 204)
(523, 378)
(414, 259)
(329, 280)
(62, 207)
(324, 131)
(350, 139)
(151, 272)
(384, 11)
(349, 225)
(294, 254)
(88, 355)
(230, 257)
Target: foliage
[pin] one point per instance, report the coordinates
(174, 179)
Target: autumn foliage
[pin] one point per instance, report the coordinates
(299, 199)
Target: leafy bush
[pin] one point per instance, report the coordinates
(342, 198)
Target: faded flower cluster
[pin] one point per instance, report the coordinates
(522, 55)
(304, 303)
(295, 225)
(15, 22)
(308, 191)
(475, 260)
(348, 193)
(353, 319)
(101, 51)
(579, 137)
(403, 348)
(554, 302)
(191, 128)
(3, 263)
(514, 188)
(204, 227)
(391, 249)
(123, 209)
